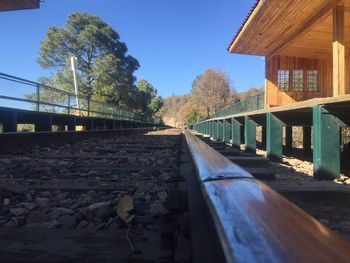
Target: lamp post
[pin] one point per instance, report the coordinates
(73, 61)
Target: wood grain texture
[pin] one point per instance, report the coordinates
(8, 5)
(338, 51)
(276, 97)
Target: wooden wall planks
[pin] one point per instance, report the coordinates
(276, 97)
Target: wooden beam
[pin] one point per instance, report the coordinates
(246, 24)
(338, 51)
(305, 27)
(10, 5)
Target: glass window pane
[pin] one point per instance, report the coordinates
(312, 80)
(283, 80)
(298, 80)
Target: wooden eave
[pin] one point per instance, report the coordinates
(9, 5)
(274, 25)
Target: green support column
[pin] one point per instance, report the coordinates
(227, 131)
(289, 137)
(236, 133)
(263, 137)
(210, 129)
(249, 134)
(44, 124)
(207, 128)
(242, 134)
(307, 139)
(216, 130)
(220, 130)
(326, 141)
(274, 146)
(9, 122)
(214, 127)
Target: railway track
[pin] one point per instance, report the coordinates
(111, 198)
(151, 196)
(327, 201)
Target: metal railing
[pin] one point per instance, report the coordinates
(255, 102)
(29, 95)
(253, 222)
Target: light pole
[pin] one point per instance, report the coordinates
(73, 61)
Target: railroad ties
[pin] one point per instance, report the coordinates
(257, 166)
(251, 221)
(144, 195)
(117, 198)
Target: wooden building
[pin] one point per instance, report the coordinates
(306, 45)
(9, 5)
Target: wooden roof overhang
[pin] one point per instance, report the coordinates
(289, 27)
(9, 5)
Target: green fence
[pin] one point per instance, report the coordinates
(255, 102)
(28, 95)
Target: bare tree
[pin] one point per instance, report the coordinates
(212, 90)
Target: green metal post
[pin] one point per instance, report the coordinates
(220, 130)
(263, 137)
(242, 134)
(249, 134)
(274, 146)
(9, 122)
(236, 133)
(307, 139)
(210, 129)
(289, 137)
(226, 131)
(326, 141)
(216, 127)
(212, 125)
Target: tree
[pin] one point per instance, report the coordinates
(149, 102)
(212, 90)
(193, 116)
(104, 68)
(49, 97)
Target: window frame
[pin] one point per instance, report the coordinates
(281, 76)
(289, 86)
(317, 80)
(297, 83)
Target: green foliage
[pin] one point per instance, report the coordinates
(49, 96)
(25, 127)
(104, 68)
(193, 116)
(149, 102)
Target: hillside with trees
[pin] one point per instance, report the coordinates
(211, 91)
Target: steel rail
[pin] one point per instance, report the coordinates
(253, 222)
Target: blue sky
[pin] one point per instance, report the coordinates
(174, 40)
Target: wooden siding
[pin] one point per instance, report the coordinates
(275, 23)
(8, 5)
(276, 97)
